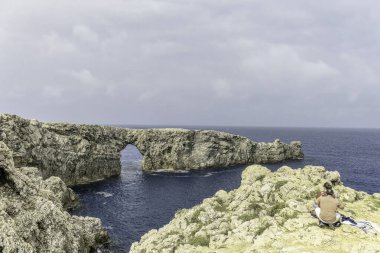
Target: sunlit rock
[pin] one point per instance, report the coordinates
(269, 212)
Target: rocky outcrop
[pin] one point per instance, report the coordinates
(75, 153)
(33, 216)
(269, 212)
(85, 153)
(181, 149)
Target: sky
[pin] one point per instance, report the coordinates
(174, 62)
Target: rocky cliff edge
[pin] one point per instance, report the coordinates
(269, 212)
(33, 216)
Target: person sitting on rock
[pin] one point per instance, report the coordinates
(326, 186)
(326, 210)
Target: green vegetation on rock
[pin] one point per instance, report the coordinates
(200, 241)
(278, 184)
(248, 216)
(269, 212)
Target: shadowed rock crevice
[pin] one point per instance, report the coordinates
(85, 153)
(3, 176)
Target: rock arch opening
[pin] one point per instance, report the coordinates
(131, 159)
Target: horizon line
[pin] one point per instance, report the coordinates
(238, 126)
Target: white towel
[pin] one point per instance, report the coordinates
(366, 226)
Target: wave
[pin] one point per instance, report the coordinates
(105, 194)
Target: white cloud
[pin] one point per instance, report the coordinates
(222, 88)
(182, 61)
(85, 34)
(282, 65)
(53, 91)
(13, 92)
(353, 96)
(85, 77)
(55, 44)
(3, 35)
(146, 96)
(162, 48)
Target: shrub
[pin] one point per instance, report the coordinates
(377, 203)
(194, 218)
(260, 177)
(290, 215)
(276, 208)
(313, 193)
(248, 216)
(254, 206)
(220, 208)
(262, 228)
(200, 241)
(279, 184)
(220, 201)
(373, 208)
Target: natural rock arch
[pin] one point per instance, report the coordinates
(85, 153)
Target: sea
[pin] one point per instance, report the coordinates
(133, 203)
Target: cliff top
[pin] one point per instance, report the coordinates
(269, 212)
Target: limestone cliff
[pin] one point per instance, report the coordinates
(267, 213)
(85, 153)
(33, 216)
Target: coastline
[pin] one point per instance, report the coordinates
(190, 243)
(48, 157)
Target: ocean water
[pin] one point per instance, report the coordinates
(134, 203)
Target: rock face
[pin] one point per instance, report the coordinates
(181, 149)
(269, 212)
(86, 153)
(33, 216)
(75, 153)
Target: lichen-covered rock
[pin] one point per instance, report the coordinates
(75, 153)
(269, 212)
(181, 149)
(85, 153)
(33, 216)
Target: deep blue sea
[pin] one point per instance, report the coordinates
(133, 203)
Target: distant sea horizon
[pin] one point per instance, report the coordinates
(212, 127)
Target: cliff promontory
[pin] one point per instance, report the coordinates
(33, 216)
(86, 153)
(269, 212)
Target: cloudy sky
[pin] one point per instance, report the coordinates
(176, 62)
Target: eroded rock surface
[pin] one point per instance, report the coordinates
(269, 212)
(33, 216)
(86, 153)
